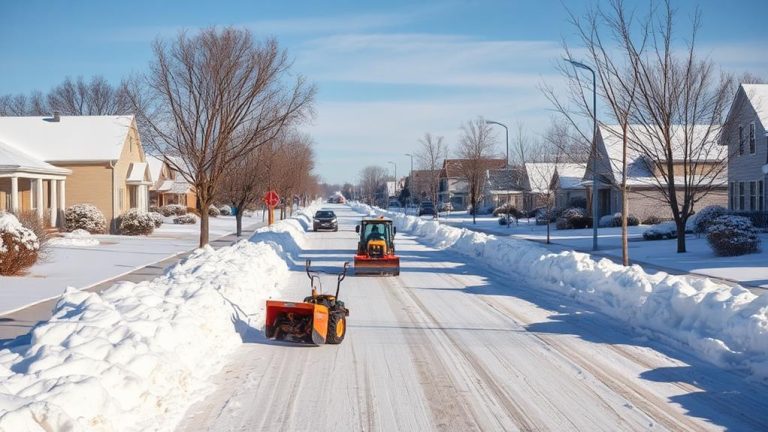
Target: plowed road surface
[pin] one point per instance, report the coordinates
(451, 345)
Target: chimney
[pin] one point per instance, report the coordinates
(56, 116)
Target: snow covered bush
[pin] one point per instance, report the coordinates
(213, 211)
(18, 246)
(701, 220)
(157, 218)
(652, 220)
(136, 222)
(225, 210)
(614, 220)
(154, 209)
(185, 219)
(173, 210)
(509, 209)
(732, 235)
(573, 218)
(85, 216)
(661, 231)
(78, 237)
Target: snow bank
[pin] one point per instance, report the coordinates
(78, 237)
(724, 325)
(134, 357)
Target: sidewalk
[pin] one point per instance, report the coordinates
(638, 247)
(20, 322)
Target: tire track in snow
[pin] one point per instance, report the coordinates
(484, 382)
(650, 404)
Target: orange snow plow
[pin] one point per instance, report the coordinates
(319, 319)
(376, 248)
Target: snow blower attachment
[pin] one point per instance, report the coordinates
(320, 318)
(376, 248)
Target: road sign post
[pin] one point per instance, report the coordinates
(271, 199)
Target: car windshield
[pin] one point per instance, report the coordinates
(375, 230)
(324, 214)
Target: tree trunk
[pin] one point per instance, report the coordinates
(681, 236)
(203, 228)
(624, 202)
(239, 220)
(549, 225)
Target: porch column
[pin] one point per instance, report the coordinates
(39, 198)
(14, 194)
(54, 209)
(62, 201)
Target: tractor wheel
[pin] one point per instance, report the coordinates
(337, 329)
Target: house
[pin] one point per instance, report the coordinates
(567, 184)
(746, 139)
(643, 177)
(507, 185)
(556, 181)
(64, 160)
(453, 185)
(168, 185)
(421, 179)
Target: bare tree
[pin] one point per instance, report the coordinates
(96, 97)
(246, 183)
(212, 99)
(476, 146)
(372, 178)
(23, 105)
(432, 151)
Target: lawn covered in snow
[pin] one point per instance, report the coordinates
(134, 357)
(751, 269)
(725, 325)
(81, 260)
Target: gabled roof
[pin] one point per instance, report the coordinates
(155, 167)
(72, 138)
(452, 167)
(570, 175)
(15, 160)
(610, 146)
(510, 179)
(540, 175)
(757, 94)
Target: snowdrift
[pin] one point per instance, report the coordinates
(135, 357)
(725, 325)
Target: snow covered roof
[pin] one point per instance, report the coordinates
(511, 179)
(15, 160)
(71, 138)
(137, 173)
(703, 147)
(570, 175)
(155, 165)
(758, 97)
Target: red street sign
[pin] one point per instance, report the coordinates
(271, 198)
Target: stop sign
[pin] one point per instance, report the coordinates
(271, 198)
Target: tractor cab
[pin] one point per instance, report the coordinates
(376, 247)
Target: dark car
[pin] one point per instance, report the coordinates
(427, 208)
(325, 219)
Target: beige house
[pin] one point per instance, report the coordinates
(554, 180)
(643, 178)
(65, 160)
(168, 185)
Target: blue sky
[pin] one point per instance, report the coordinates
(387, 72)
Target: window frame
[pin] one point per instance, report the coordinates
(752, 196)
(760, 196)
(752, 141)
(741, 140)
(741, 195)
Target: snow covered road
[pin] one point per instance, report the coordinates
(452, 345)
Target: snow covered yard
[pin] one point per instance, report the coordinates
(725, 325)
(80, 262)
(135, 356)
(751, 269)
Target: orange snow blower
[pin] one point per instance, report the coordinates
(320, 318)
(376, 248)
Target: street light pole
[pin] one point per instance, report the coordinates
(506, 132)
(594, 149)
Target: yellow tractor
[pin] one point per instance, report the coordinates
(376, 248)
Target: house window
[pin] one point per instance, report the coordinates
(732, 196)
(741, 140)
(751, 138)
(752, 196)
(760, 195)
(741, 196)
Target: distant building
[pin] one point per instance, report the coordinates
(507, 185)
(168, 185)
(453, 185)
(420, 187)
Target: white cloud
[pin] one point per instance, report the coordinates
(425, 59)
